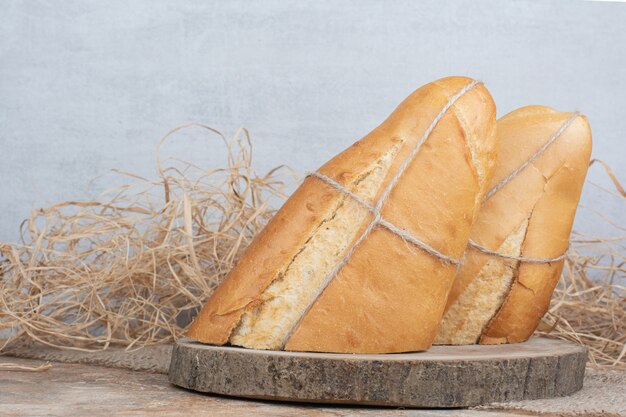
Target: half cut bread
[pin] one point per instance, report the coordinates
(325, 275)
(527, 215)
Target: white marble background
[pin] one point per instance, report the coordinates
(87, 86)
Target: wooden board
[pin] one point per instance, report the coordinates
(79, 390)
(444, 376)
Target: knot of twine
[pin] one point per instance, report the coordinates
(376, 210)
(512, 175)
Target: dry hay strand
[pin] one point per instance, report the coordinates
(131, 268)
(7, 366)
(589, 304)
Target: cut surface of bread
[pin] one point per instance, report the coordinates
(500, 300)
(284, 301)
(325, 275)
(465, 321)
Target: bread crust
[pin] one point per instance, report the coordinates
(390, 296)
(546, 195)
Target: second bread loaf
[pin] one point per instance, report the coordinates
(518, 241)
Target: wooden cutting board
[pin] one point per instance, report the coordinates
(444, 376)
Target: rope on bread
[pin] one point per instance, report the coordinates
(518, 258)
(404, 234)
(512, 175)
(534, 156)
(376, 210)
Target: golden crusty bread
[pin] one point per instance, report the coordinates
(390, 295)
(498, 300)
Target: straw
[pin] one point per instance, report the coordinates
(132, 267)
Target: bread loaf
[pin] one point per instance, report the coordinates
(360, 259)
(527, 216)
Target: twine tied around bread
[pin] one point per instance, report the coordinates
(377, 219)
(404, 234)
(512, 175)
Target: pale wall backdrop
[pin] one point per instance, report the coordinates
(87, 86)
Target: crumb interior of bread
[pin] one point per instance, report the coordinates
(285, 300)
(467, 318)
